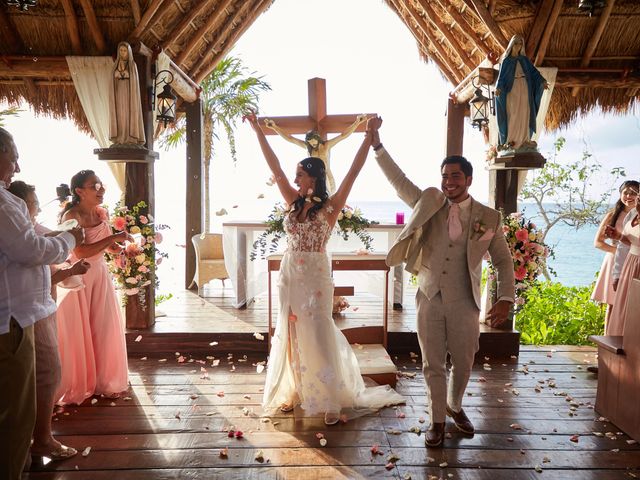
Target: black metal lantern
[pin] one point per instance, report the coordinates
(22, 4)
(480, 107)
(166, 99)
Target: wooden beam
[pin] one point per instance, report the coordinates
(135, 11)
(72, 26)
(441, 62)
(15, 42)
(197, 37)
(542, 16)
(444, 55)
(466, 29)
(184, 87)
(194, 214)
(455, 45)
(179, 29)
(595, 39)
(24, 66)
(229, 42)
(489, 22)
(455, 128)
(548, 30)
(492, 6)
(146, 18)
(589, 80)
(94, 27)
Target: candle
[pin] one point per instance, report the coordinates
(399, 218)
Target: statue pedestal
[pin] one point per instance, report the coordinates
(518, 161)
(139, 163)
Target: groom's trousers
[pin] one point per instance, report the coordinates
(443, 328)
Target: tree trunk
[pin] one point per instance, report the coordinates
(208, 142)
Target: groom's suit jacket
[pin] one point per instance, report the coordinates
(420, 250)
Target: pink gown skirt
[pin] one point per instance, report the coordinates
(603, 291)
(91, 339)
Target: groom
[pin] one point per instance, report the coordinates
(443, 243)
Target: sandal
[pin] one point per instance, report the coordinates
(287, 407)
(61, 453)
(331, 418)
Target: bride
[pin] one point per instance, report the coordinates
(311, 364)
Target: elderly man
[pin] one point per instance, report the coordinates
(25, 298)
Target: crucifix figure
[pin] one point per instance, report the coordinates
(315, 126)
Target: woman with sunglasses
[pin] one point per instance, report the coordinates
(90, 327)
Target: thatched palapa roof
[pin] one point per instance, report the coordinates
(598, 55)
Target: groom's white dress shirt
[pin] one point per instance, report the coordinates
(25, 279)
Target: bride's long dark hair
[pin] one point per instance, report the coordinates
(315, 168)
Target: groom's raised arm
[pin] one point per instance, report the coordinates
(408, 192)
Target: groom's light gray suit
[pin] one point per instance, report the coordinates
(448, 299)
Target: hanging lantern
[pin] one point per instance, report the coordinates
(589, 6)
(480, 107)
(22, 4)
(166, 99)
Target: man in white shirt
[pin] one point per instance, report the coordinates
(25, 298)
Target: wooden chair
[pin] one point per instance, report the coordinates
(618, 367)
(209, 260)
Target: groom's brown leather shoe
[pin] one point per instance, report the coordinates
(462, 421)
(435, 435)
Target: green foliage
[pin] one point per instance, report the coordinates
(554, 314)
(9, 111)
(163, 298)
(272, 235)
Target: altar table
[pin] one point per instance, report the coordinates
(249, 278)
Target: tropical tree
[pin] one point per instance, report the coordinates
(6, 113)
(563, 192)
(228, 93)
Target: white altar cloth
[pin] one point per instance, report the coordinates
(249, 278)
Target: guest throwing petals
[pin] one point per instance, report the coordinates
(90, 327)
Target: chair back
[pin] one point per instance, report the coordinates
(208, 246)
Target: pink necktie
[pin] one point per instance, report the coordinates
(453, 222)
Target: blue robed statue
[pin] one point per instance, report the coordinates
(518, 93)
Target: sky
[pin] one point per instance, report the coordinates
(371, 64)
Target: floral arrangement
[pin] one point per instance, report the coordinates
(135, 265)
(528, 250)
(350, 221)
(492, 154)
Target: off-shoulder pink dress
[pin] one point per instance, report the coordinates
(91, 337)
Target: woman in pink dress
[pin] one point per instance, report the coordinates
(630, 270)
(603, 291)
(90, 327)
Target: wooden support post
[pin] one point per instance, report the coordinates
(503, 190)
(455, 127)
(194, 214)
(548, 30)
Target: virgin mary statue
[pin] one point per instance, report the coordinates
(518, 93)
(125, 109)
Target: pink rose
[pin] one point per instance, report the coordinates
(158, 237)
(144, 220)
(159, 261)
(132, 249)
(119, 223)
(143, 269)
(522, 235)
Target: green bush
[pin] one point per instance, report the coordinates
(554, 314)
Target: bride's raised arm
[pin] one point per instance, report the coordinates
(289, 193)
(338, 200)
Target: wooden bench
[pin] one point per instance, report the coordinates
(368, 343)
(618, 367)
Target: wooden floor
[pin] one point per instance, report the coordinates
(532, 412)
(214, 312)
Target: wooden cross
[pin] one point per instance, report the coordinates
(317, 119)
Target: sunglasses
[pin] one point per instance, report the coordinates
(96, 186)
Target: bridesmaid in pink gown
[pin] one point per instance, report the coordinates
(603, 291)
(90, 326)
(630, 270)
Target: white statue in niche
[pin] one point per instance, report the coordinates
(125, 108)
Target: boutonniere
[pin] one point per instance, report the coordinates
(479, 229)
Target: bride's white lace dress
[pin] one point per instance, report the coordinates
(320, 367)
